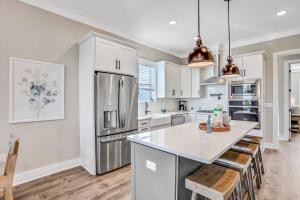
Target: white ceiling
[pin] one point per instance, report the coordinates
(147, 21)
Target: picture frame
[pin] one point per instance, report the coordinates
(36, 90)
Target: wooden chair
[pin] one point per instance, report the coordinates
(6, 180)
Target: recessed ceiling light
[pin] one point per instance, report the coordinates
(173, 22)
(281, 13)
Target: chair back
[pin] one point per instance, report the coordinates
(11, 160)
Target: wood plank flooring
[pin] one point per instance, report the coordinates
(281, 181)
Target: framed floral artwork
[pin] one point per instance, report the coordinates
(36, 90)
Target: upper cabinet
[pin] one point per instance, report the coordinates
(195, 81)
(108, 55)
(168, 80)
(186, 82)
(251, 66)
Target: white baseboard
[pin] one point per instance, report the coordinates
(268, 145)
(30, 175)
(282, 138)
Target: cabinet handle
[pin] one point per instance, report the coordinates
(173, 92)
(199, 92)
(119, 64)
(181, 92)
(116, 64)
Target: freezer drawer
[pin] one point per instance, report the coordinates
(113, 152)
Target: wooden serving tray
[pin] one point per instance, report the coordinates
(226, 128)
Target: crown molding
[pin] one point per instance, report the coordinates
(56, 9)
(267, 37)
(76, 16)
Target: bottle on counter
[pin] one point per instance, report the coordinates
(208, 125)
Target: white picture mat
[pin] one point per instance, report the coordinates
(17, 109)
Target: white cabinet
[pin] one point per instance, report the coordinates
(186, 82)
(190, 117)
(115, 58)
(251, 66)
(106, 56)
(168, 80)
(127, 60)
(195, 81)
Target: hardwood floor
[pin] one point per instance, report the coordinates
(281, 181)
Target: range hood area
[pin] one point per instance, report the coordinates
(216, 79)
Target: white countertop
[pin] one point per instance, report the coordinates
(188, 141)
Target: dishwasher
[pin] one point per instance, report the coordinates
(177, 119)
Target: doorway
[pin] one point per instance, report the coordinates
(289, 76)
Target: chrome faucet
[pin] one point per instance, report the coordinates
(146, 108)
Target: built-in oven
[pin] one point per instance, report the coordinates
(245, 110)
(248, 89)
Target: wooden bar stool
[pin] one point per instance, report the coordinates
(252, 150)
(256, 140)
(215, 182)
(240, 162)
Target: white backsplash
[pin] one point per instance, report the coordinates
(206, 102)
(155, 106)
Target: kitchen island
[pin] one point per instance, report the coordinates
(162, 159)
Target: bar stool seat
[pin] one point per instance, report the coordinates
(242, 163)
(214, 182)
(252, 139)
(246, 147)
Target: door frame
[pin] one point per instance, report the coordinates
(276, 122)
(287, 64)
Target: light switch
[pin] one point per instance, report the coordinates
(151, 165)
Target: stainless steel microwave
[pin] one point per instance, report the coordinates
(248, 89)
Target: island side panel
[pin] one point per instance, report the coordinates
(153, 174)
(185, 168)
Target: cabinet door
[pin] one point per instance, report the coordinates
(253, 66)
(127, 61)
(172, 81)
(106, 56)
(185, 82)
(195, 82)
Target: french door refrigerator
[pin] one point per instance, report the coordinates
(116, 115)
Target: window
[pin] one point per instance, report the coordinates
(147, 80)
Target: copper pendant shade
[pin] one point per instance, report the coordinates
(200, 56)
(230, 69)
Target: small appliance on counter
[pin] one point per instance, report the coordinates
(182, 105)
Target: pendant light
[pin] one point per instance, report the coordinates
(200, 56)
(230, 69)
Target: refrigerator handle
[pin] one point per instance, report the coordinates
(121, 114)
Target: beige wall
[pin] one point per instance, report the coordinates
(270, 47)
(31, 33)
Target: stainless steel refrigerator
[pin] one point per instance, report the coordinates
(116, 99)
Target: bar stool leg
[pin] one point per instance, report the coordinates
(246, 184)
(254, 165)
(261, 161)
(194, 196)
(258, 168)
(251, 187)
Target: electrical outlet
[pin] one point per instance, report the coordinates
(2, 158)
(151, 165)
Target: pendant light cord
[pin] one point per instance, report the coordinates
(199, 18)
(228, 18)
